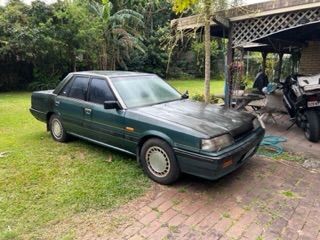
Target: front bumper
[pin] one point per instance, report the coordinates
(211, 165)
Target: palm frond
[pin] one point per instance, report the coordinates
(129, 17)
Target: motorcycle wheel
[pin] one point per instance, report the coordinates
(312, 126)
(300, 119)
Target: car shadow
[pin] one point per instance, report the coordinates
(223, 182)
(193, 183)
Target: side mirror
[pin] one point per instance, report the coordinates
(111, 105)
(185, 95)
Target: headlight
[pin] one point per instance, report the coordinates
(257, 122)
(217, 143)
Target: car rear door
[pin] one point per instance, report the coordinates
(71, 104)
(104, 125)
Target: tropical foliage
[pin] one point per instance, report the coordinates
(48, 41)
(41, 43)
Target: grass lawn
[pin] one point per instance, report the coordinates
(196, 86)
(42, 181)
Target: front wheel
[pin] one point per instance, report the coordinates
(159, 162)
(57, 131)
(312, 126)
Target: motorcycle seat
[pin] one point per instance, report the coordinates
(309, 83)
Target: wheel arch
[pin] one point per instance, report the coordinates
(48, 115)
(152, 134)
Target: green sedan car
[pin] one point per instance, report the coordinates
(142, 115)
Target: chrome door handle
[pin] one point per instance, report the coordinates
(57, 103)
(87, 111)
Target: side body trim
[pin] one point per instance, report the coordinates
(101, 143)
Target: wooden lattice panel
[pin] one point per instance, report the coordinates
(249, 30)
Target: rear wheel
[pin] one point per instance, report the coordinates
(159, 162)
(56, 129)
(312, 126)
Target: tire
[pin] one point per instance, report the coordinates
(57, 131)
(159, 162)
(300, 119)
(312, 128)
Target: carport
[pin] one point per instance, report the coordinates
(281, 27)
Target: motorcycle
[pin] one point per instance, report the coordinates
(301, 97)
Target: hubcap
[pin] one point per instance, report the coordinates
(158, 161)
(57, 129)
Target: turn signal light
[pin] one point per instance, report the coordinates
(227, 163)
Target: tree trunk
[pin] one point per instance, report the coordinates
(207, 45)
(104, 59)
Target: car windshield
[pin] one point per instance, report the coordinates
(137, 91)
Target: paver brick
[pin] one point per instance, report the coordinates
(289, 234)
(136, 237)
(162, 198)
(177, 220)
(181, 202)
(192, 208)
(149, 229)
(212, 235)
(209, 221)
(236, 212)
(238, 228)
(198, 216)
(166, 205)
(149, 217)
(133, 229)
(278, 225)
(181, 231)
(223, 225)
(166, 216)
(253, 231)
(296, 222)
(142, 212)
(270, 236)
(160, 234)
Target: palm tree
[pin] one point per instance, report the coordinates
(120, 33)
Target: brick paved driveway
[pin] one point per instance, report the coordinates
(265, 199)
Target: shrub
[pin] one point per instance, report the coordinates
(200, 98)
(42, 81)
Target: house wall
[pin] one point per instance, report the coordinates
(310, 59)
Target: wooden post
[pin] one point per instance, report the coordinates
(207, 47)
(228, 84)
(241, 77)
(279, 68)
(264, 61)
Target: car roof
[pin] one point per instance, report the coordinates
(113, 73)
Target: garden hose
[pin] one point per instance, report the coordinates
(273, 145)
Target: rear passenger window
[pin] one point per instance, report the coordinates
(79, 88)
(99, 91)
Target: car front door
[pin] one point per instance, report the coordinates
(104, 125)
(71, 104)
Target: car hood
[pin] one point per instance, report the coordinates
(208, 119)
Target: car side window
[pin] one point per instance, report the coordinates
(66, 89)
(79, 88)
(99, 91)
